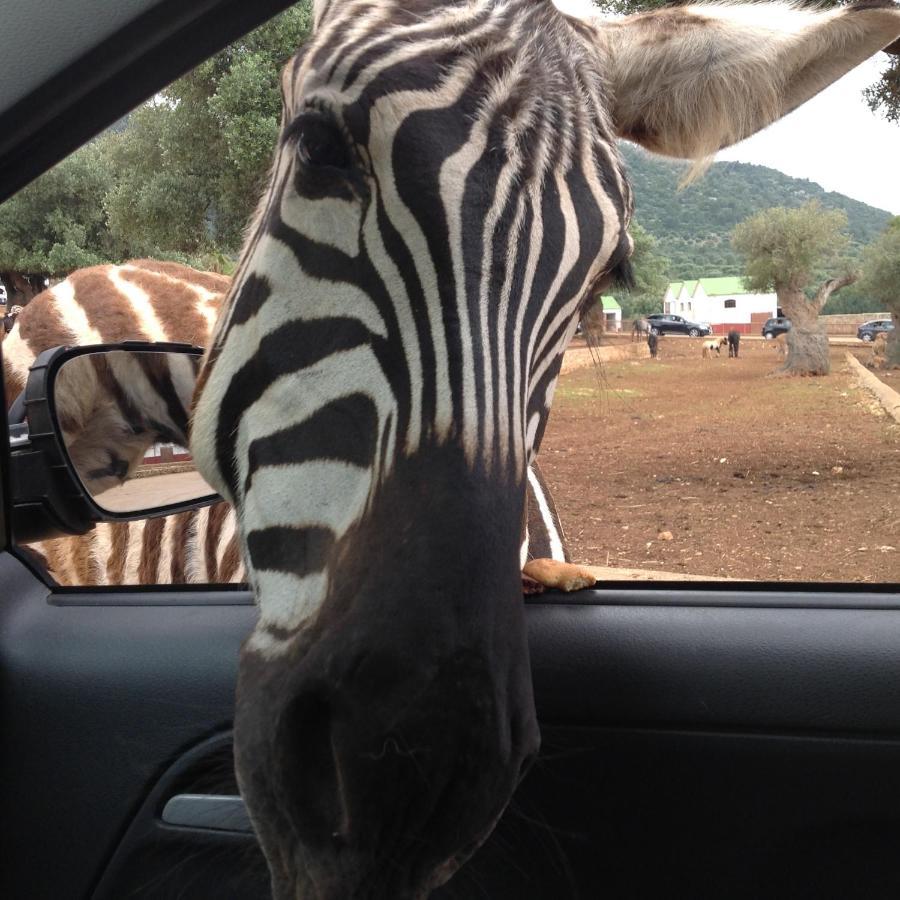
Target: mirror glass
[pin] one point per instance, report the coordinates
(123, 416)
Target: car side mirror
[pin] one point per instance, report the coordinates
(103, 437)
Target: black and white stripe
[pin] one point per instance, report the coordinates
(113, 406)
(445, 193)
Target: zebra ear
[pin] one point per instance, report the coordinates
(690, 80)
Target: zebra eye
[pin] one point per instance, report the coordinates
(320, 143)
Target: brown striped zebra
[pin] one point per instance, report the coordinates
(150, 300)
(113, 407)
(143, 300)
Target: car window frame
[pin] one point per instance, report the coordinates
(114, 75)
(6, 542)
(115, 98)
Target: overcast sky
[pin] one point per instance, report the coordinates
(835, 141)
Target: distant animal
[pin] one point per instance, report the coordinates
(734, 343)
(779, 344)
(10, 319)
(653, 344)
(639, 328)
(713, 344)
(879, 351)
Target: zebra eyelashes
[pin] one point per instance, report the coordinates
(320, 142)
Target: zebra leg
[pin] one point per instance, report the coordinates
(545, 557)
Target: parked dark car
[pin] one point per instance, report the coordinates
(663, 323)
(776, 326)
(869, 330)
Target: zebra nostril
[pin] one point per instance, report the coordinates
(525, 765)
(310, 770)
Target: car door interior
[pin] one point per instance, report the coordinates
(703, 741)
(699, 742)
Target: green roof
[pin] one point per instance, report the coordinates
(609, 303)
(716, 287)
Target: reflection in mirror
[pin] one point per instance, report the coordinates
(123, 415)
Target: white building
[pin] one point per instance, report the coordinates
(612, 313)
(723, 303)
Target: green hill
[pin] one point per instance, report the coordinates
(693, 226)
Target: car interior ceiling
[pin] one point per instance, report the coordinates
(45, 115)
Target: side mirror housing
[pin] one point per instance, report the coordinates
(102, 436)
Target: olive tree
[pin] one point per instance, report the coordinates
(782, 249)
(881, 278)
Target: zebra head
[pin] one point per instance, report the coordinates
(445, 193)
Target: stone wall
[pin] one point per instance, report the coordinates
(579, 357)
(846, 323)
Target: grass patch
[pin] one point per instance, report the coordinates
(644, 369)
(597, 392)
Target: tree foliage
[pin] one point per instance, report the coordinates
(884, 96)
(881, 268)
(853, 299)
(693, 225)
(881, 279)
(651, 276)
(783, 248)
(192, 163)
(177, 179)
(56, 224)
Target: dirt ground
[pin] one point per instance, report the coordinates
(753, 477)
(890, 377)
(155, 489)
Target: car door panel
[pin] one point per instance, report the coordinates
(762, 726)
(710, 745)
(634, 813)
(681, 660)
(99, 699)
(181, 854)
